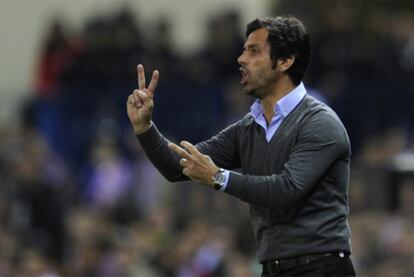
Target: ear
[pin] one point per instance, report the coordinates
(285, 64)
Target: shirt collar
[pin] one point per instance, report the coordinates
(285, 105)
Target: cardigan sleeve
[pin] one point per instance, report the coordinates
(221, 148)
(155, 146)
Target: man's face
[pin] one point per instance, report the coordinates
(258, 77)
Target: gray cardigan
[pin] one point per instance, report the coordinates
(296, 184)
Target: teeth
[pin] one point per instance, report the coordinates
(243, 75)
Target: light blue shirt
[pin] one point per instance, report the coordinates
(282, 109)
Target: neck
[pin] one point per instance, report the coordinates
(278, 91)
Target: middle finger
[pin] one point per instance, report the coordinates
(180, 151)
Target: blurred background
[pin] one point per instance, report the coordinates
(78, 196)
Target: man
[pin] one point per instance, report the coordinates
(293, 151)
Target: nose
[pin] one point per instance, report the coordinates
(241, 59)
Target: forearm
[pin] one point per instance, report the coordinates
(164, 159)
(298, 177)
(271, 191)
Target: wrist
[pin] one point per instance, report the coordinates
(219, 179)
(142, 128)
(214, 173)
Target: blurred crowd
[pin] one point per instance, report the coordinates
(79, 197)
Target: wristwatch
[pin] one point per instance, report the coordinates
(218, 179)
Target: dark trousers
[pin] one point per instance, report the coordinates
(333, 266)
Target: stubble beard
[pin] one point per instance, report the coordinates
(259, 92)
(262, 87)
(254, 89)
(255, 93)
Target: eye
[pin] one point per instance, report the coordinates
(254, 51)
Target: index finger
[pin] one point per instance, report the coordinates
(180, 151)
(141, 77)
(190, 148)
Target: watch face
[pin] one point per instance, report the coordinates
(220, 177)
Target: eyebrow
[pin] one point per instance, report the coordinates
(251, 46)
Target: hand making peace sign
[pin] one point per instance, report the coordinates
(140, 103)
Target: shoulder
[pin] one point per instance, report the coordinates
(236, 130)
(246, 120)
(319, 120)
(316, 111)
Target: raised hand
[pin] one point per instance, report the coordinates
(140, 103)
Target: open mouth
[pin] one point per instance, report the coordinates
(244, 76)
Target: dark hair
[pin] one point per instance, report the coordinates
(287, 37)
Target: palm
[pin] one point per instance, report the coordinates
(138, 114)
